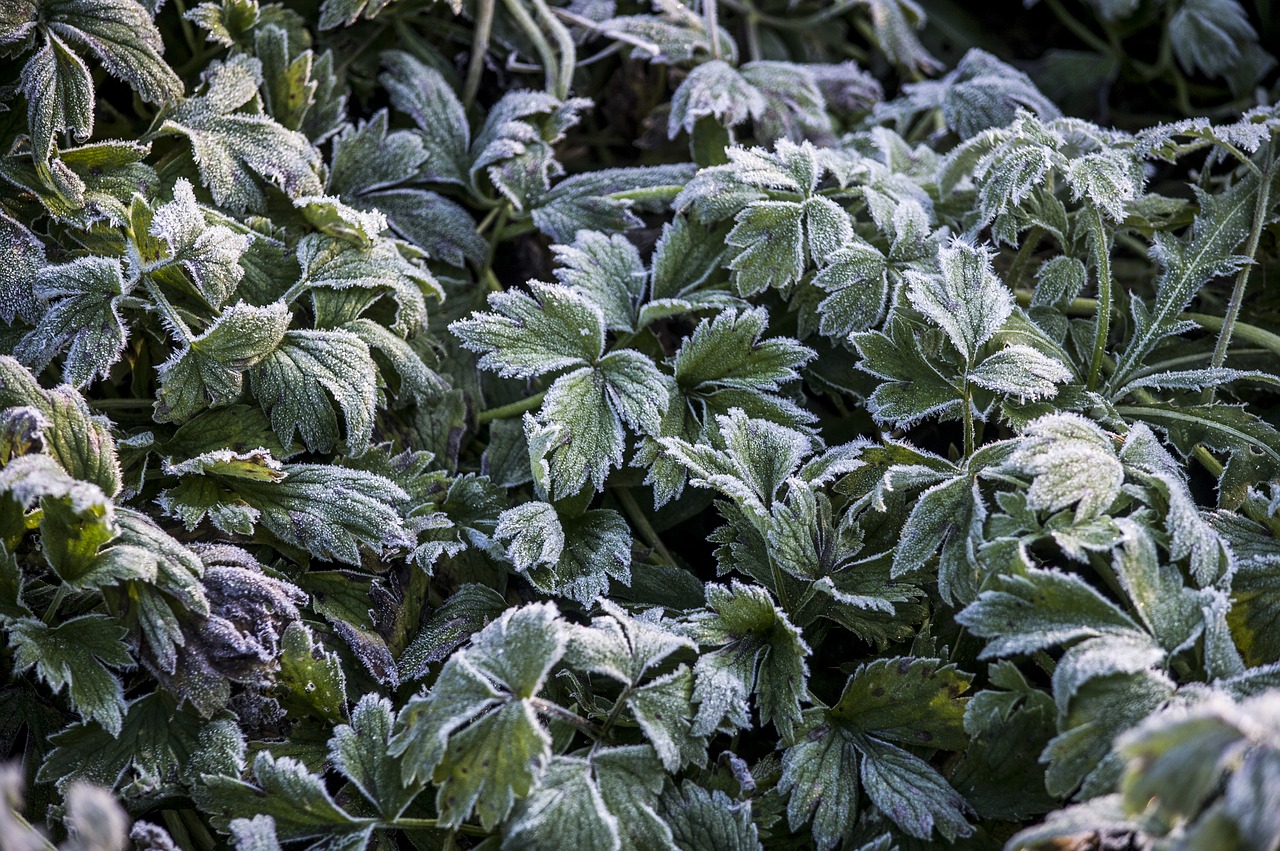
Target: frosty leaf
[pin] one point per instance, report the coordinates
(82, 319)
(339, 265)
(895, 23)
(210, 370)
(225, 22)
(284, 789)
(1104, 179)
(589, 408)
(514, 148)
(795, 108)
(1072, 462)
(329, 215)
(708, 821)
(966, 300)
(1222, 224)
(327, 510)
(359, 751)
(623, 647)
(571, 556)
(759, 651)
(777, 236)
(423, 94)
(914, 388)
(716, 90)
(436, 224)
(210, 255)
(77, 654)
(465, 613)
(727, 351)
(1042, 609)
(476, 730)
(906, 700)
(291, 384)
(606, 200)
(311, 675)
(663, 710)
(1210, 36)
(759, 456)
(1021, 372)
(21, 259)
(912, 793)
(982, 92)
(232, 146)
(78, 440)
(366, 157)
(59, 92)
(528, 336)
(608, 272)
(856, 279)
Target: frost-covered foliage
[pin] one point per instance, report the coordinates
(531, 424)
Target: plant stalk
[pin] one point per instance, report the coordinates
(515, 409)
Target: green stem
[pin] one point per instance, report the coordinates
(568, 51)
(650, 535)
(479, 50)
(515, 409)
(1260, 208)
(550, 67)
(1102, 259)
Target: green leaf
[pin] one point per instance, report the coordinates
(81, 319)
(77, 654)
(607, 271)
(914, 388)
(210, 370)
(623, 647)
(571, 556)
(59, 92)
(717, 90)
(966, 300)
(466, 612)
(290, 383)
(1022, 614)
(209, 254)
(759, 651)
(476, 730)
(906, 700)
(286, 791)
(231, 146)
(359, 751)
(528, 336)
(701, 820)
(1072, 462)
(663, 709)
(312, 675)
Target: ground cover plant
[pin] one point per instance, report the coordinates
(700, 425)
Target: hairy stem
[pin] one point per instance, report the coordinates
(550, 67)
(479, 50)
(433, 824)
(564, 41)
(554, 710)
(711, 12)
